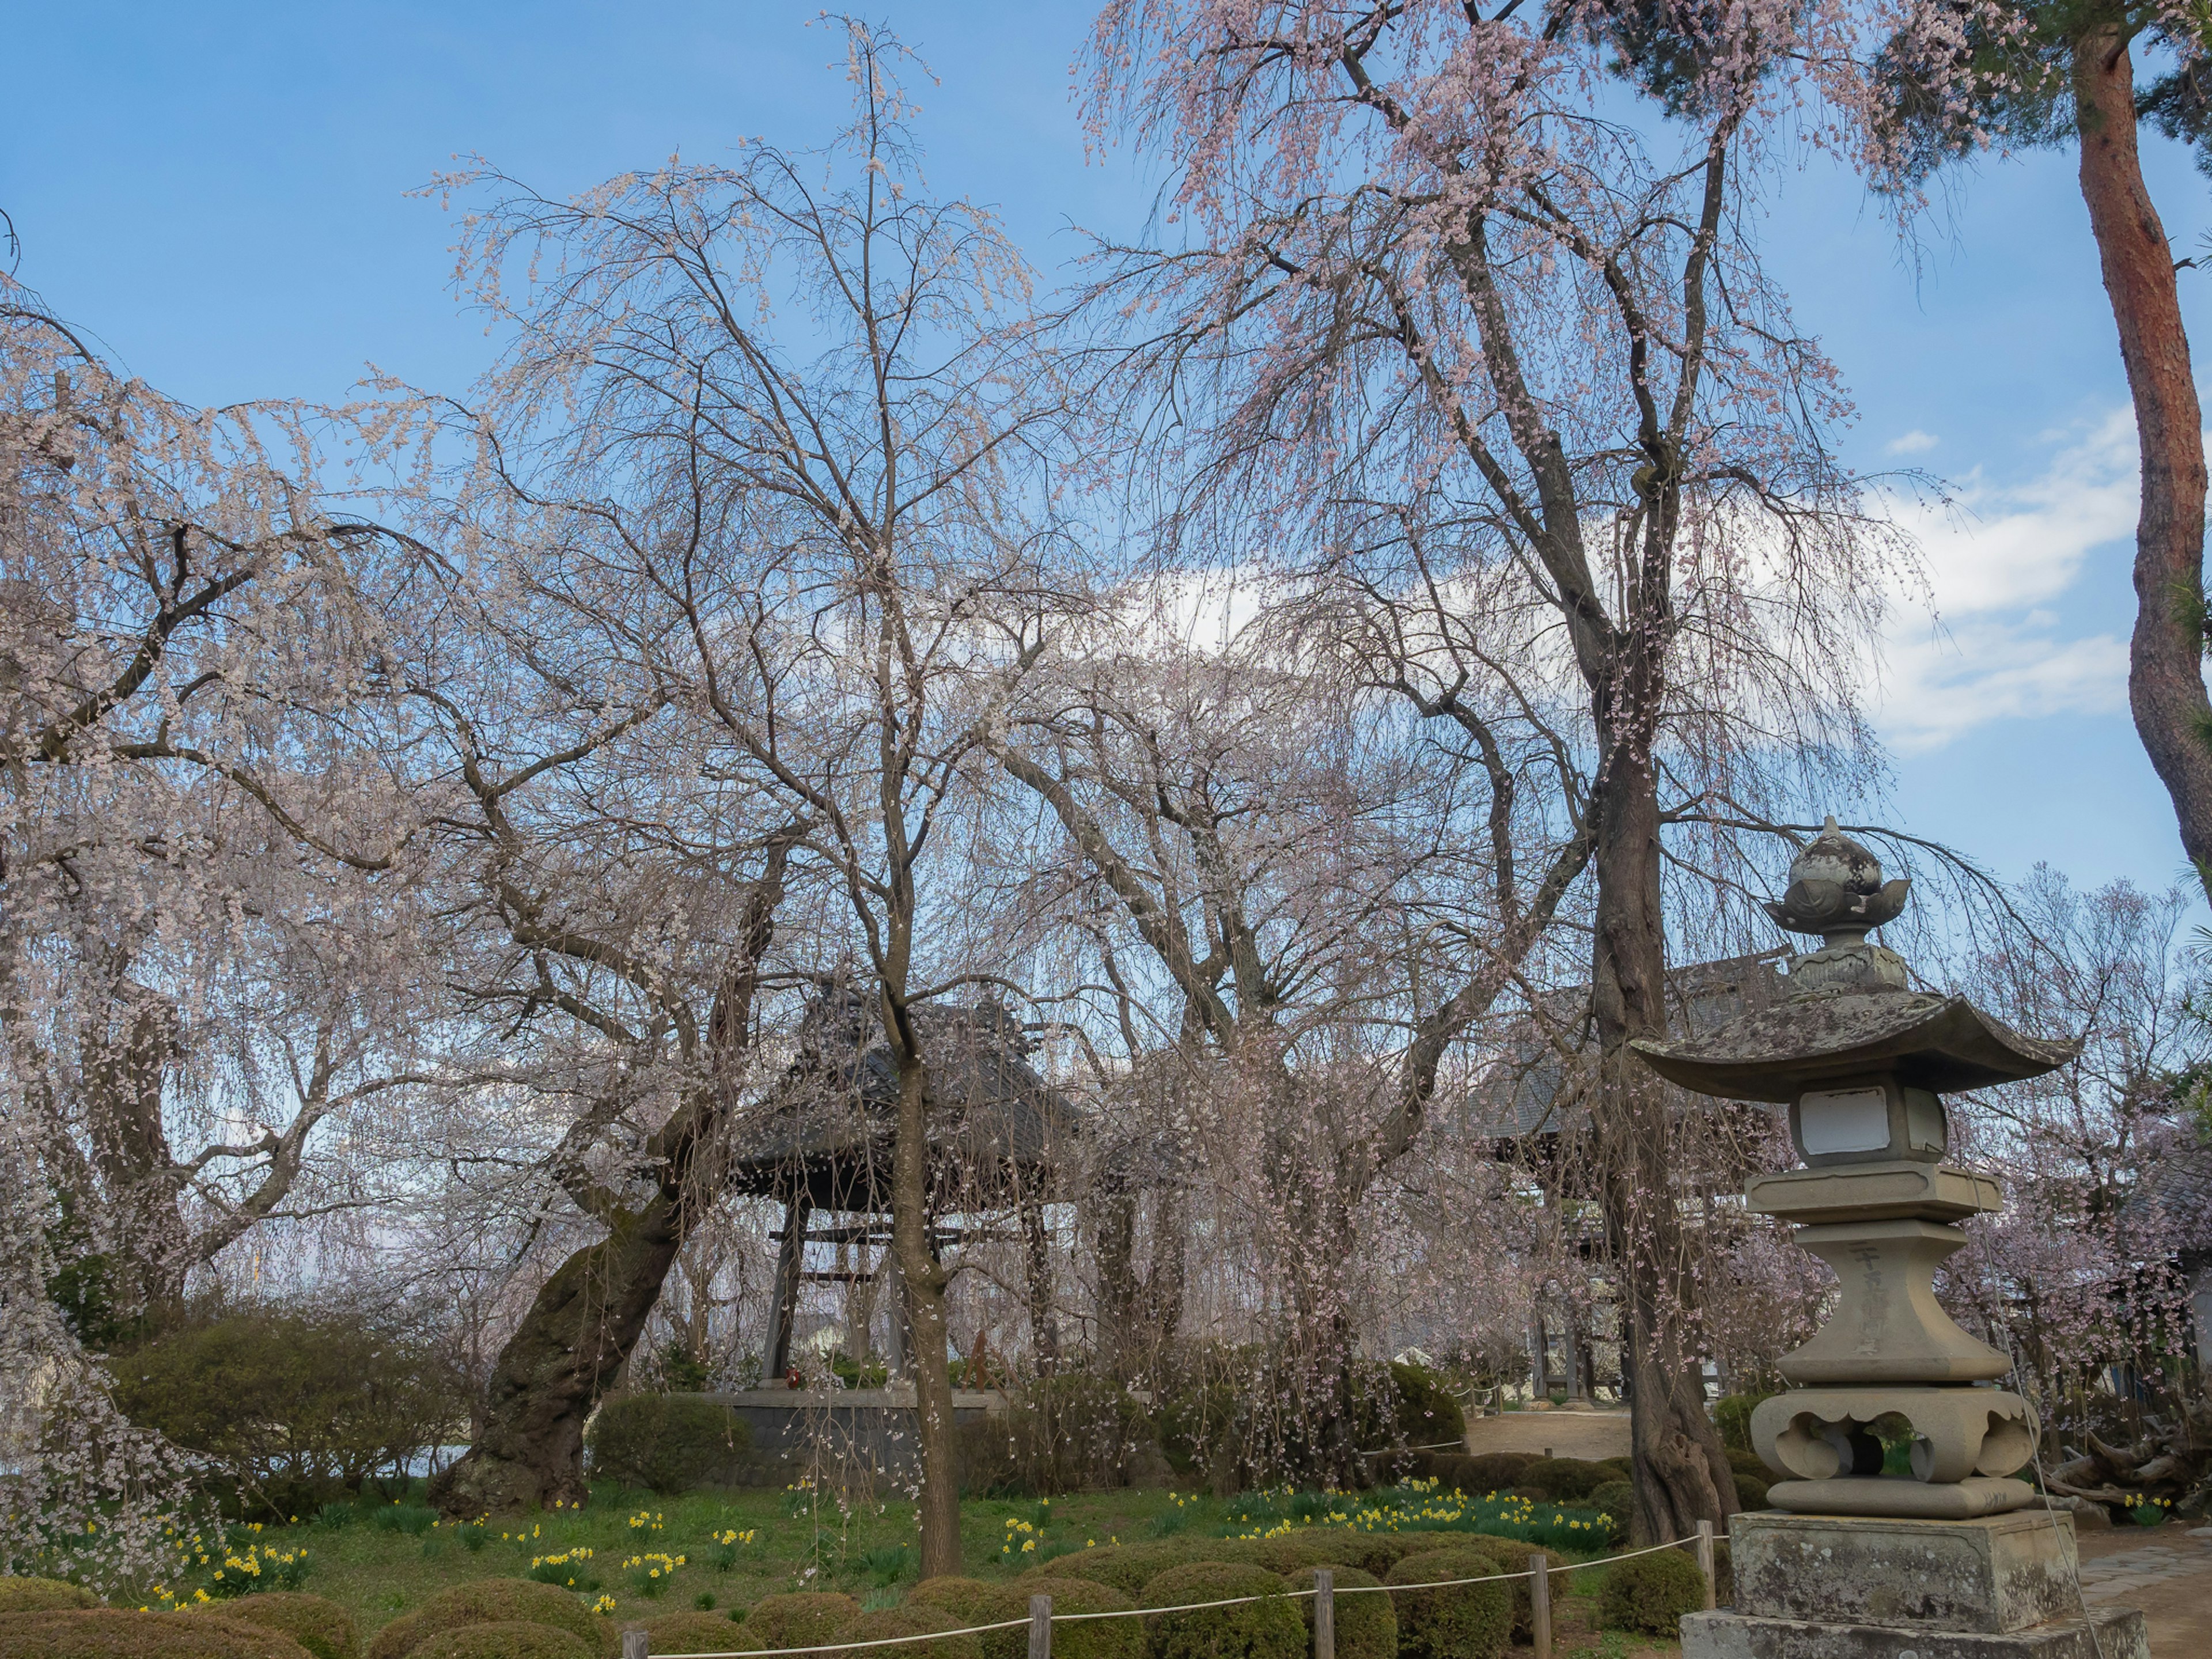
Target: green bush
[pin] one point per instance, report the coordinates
(1732, 1417)
(292, 1409)
(1267, 1629)
(972, 1601)
(513, 1638)
(1127, 1567)
(1615, 1498)
(43, 1596)
(1564, 1479)
(689, 1632)
(119, 1633)
(1094, 1638)
(800, 1618)
(1749, 1462)
(1750, 1491)
(1427, 1412)
(1486, 1472)
(1378, 1552)
(669, 1442)
(911, 1619)
(1312, 1547)
(1650, 1593)
(485, 1602)
(315, 1622)
(1511, 1555)
(1366, 1625)
(1467, 1622)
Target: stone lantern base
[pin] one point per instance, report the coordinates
(1862, 1587)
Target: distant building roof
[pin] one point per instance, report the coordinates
(1527, 1090)
(827, 1126)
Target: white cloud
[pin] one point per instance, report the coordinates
(1998, 560)
(1914, 442)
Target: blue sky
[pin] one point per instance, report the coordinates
(221, 192)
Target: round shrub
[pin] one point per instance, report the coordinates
(1493, 1471)
(1511, 1555)
(509, 1638)
(1566, 1480)
(1467, 1621)
(1265, 1629)
(1750, 1491)
(1750, 1463)
(119, 1633)
(972, 1601)
(1127, 1567)
(909, 1620)
(1294, 1551)
(804, 1619)
(669, 1442)
(43, 1596)
(315, 1622)
(1425, 1412)
(485, 1602)
(689, 1632)
(1650, 1593)
(1094, 1638)
(1366, 1625)
(1379, 1552)
(1617, 1497)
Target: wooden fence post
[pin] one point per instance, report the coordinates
(1040, 1627)
(1324, 1613)
(1705, 1563)
(634, 1644)
(1540, 1607)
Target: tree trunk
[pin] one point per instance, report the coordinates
(579, 1331)
(2166, 680)
(940, 1500)
(1044, 1327)
(1682, 1472)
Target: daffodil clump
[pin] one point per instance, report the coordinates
(224, 1570)
(651, 1573)
(726, 1544)
(570, 1569)
(1421, 1506)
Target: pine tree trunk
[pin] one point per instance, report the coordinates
(2166, 680)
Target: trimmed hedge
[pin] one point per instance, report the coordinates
(315, 1622)
(1094, 1638)
(1750, 1463)
(43, 1596)
(509, 1638)
(1378, 1552)
(1489, 1471)
(1315, 1547)
(1512, 1555)
(911, 1619)
(1564, 1479)
(1128, 1567)
(689, 1632)
(486, 1601)
(1267, 1629)
(1366, 1625)
(120, 1633)
(972, 1601)
(1618, 1499)
(669, 1442)
(1468, 1622)
(1750, 1493)
(803, 1619)
(1650, 1593)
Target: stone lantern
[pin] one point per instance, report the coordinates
(1853, 1560)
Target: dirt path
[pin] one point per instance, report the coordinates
(2166, 1572)
(1591, 1435)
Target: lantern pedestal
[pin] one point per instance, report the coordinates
(1845, 1586)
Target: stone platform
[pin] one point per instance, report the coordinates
(1851, 1587)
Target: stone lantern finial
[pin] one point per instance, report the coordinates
(1836, 890)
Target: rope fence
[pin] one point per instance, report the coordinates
(1041, 1618)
